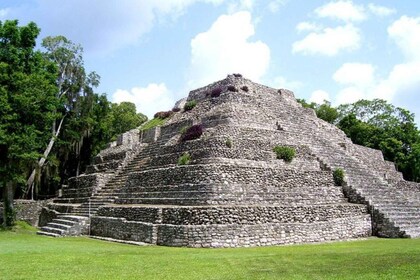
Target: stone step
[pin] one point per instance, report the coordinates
(63, 222)
(85, 215)
(399, 209)
(71, 217)
(204, 201)
(51, 234)
(101, 199)
(233, 195)
(59, 226)
(58, 231)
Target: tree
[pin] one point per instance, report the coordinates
(124, 117)
(74, 92)
(380, 125)
(323, 111)
(27, 106)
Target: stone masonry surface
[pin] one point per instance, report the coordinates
(234, 191)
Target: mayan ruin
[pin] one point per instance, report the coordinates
(210, 177)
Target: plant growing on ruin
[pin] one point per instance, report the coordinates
(184, 159)
(190, 105)
(152, 123)
(237, 75)
(285, 153)
(163, 114)
(338, 176)
(192, 132)
(228, 143)
(216, 92)
(245, 88)
(232, 88)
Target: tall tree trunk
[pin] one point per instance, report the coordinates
(41, 162)
(8, 211)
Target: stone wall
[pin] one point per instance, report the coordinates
(26, 210)
(233, 235)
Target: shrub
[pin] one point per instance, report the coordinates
(232, 88)
(216, 92)
(237, 75)
(245, 88)
(152, 123)
(285, 153)
(163, 114)
(338, 175)
(190, 105)
(191, 133)
(176, 109)
(183, 129)
(228, 143)
(184, 159)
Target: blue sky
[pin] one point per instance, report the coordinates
(152, 52)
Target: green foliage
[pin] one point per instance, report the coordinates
(285, 153)
(338, 176)
(380, 125)
(152, 123)
(190, 105)
(27, 104)
(72, 257)
(184, 159)
(124, 117)
(183, 129)
(323, 111)
(228, 143)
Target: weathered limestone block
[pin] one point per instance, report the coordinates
(150, 135)
(128, 138)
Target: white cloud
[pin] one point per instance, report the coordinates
(282, 82)
(225, 48)
(241, 5)
(355, 73)
(102, 26)
(406, 34)
(349, 95)
(342, 10)
(319, 96)
(274, 6)
(148, 100)
(307, 26)
(4, 13)
(358, 80)
(381, 10)
(330, 41)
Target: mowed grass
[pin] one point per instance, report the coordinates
(24, 255)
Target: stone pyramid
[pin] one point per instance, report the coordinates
(234, 191)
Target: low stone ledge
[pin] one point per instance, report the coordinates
(264, 234)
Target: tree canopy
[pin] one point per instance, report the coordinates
(27, 105)
(51, 120)
(379, 125)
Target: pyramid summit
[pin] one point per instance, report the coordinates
(213, 176)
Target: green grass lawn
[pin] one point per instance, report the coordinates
(24, 255)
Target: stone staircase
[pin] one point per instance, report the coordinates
(243, 195)
(394, 213)
(77, 221)
(66, 225)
